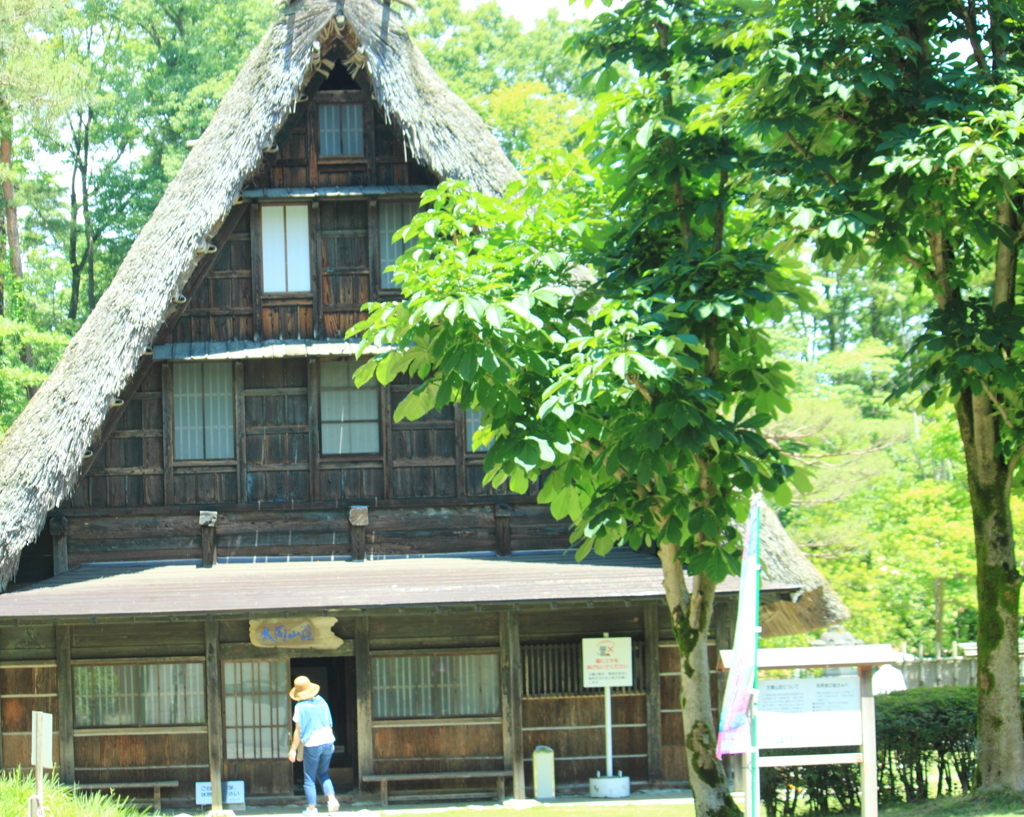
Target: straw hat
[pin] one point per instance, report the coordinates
(303, 689)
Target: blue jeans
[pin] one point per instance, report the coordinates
(316, 760)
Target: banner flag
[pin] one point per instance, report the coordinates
(734, 726)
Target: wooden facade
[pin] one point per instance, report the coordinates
(141, 695)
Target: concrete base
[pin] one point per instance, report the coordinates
(611, 787)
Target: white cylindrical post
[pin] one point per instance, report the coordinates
(608, 731)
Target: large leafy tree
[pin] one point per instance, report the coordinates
(610, 327)
(899, 127)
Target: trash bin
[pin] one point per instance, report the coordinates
(543, 773)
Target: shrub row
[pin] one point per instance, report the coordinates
(920, 732)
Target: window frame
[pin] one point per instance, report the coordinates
(388, 293)
(435, 688)
(374, 457)
(344, 97)
(181, 461)
(311, 260)
(137, 666)
(234, 706)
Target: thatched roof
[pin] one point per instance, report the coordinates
(41, 456)
(782, 561)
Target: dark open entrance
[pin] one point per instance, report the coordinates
(336, 677)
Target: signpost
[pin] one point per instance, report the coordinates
(608, 662)
(42, 757)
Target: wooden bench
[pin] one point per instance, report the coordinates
(155, 785)
(384, 778)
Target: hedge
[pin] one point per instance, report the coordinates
(918, 731)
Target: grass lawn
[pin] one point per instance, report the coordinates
(989, 806)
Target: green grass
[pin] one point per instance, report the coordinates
(59, 801)
(990, 805)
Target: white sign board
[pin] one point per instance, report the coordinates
(607, 662)
(234, 793)
(42, 739)
(809, 712)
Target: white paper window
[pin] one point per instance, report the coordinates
(473, 420)
(393, 215)
(285, 231)
(341, 130)
(418, 686)
(204, 411)
(349, 417)
(140, 694)
(257, 715)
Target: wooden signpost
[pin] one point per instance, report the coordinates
(608, 662)
(313, 633)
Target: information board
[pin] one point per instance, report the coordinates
(42, 739)
(607, 662)
(809, 712)
(234, 793)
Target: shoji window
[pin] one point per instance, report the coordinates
(423, 686)
(341, 130)
(473, 419)
(349, 417)
(285, 231)
(393, 215)
(170, 694)
(257, 714)
(553, 671)
(204, 411)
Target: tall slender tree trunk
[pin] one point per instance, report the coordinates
(10, 210)
(691, 623)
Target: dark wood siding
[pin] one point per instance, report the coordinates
(277, 431)
(345, 263)
(25, 689)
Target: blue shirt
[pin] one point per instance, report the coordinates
(315, 723)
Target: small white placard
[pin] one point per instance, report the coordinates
(607, 662)
(808, 712)
(42, 739)
(234, 793)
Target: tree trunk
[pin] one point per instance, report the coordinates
(691, 622)
(10, 210)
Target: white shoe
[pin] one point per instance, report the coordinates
(332, 804)
(310, 811)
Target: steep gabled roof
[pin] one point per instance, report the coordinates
(41, 456)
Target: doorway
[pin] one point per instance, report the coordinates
(336, 677)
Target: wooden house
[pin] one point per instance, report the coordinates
(199, 505)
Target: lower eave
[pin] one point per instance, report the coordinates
(388, 585)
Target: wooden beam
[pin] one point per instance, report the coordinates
(214, 712)
(167, 394)
(868, 747)
(652, 673)
(65, 704)
(503, 529)
(316, 265)
(256, 245)
(208, 527)
(238, 375)
(358, 519)
(364, 701)
(313, 418)
(511, 660)
(59, 533)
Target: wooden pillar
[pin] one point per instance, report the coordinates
(208, 527)
(512, 701)
(652, 674)
(238, 376)
(313, 404)
(65, 704)
(364, 700)
(869, 765)
(59, 533)
(214, 712)
(167, 395)
(358, 519)
(503, 529)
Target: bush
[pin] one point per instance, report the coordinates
(918, 731)
(16, 787)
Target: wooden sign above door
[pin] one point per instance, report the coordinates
(294, 633)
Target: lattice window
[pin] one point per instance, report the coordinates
(556, 670)
(204, 411)
(341, 130)
(257, 716)
(349, 417)
(171, 694)
(440, 685)
(473, 420)
(394, 215)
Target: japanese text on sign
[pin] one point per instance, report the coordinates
(809, 712)
(294, 633)
(607, 662)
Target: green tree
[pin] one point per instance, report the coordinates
(898, 126)
(621, 361)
